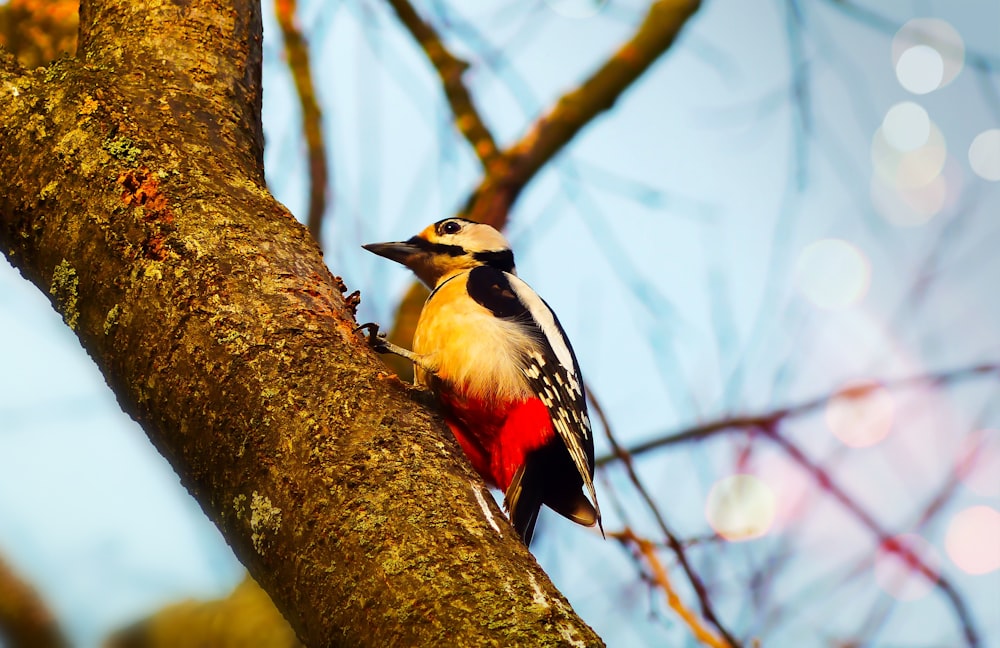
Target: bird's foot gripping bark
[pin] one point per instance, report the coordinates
(376, 340)
(380, 344)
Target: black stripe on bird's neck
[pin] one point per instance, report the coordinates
(436, 248)
(491, 289)
(502, 260)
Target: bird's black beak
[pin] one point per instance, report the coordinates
(400, 251)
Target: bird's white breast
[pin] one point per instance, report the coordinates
(471, 348)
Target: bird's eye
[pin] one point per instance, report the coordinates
(451, 227)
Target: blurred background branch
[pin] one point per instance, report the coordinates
(297, 53)
(245, 618)
(987, 371)
(25, 620)
(39, 31)
(647, 551)
(507, 172)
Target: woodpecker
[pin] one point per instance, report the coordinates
(498, 361)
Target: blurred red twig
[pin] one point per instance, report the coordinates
(769, 424)
(750, 421)
(885, 540)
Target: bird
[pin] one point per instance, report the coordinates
(497, 360)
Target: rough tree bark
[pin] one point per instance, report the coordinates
(133, 195)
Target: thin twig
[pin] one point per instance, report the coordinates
(297, 52)
(675, 544)
(508, 171)
(764, 420)
(885, 539)
(648, 551)
(578, 107)
(977, 59)
(450, 68)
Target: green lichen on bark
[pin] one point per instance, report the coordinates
(227, 338)
(265, 520)
(239, 505)
(122, 148)
(64, 287)
(111, 319)
(48, 191)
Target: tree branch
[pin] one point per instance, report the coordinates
(648, 551)
(450, 69)
(209, 311)
(578, 107)
(672, 540)
(507, 172)
(297, 52)
(25, 620)
(753, 421)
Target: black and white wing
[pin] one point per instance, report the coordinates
(552, 371)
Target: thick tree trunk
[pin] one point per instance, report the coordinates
(133, 195)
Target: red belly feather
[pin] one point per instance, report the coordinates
(496, 437)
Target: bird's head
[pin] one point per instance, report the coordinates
(448, 247)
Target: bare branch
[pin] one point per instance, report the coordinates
(751, 421)
(672, 540)
(450, 69)
(297, 51)
(507, 172)
(885, 539)
(648, 551)
(578, 107)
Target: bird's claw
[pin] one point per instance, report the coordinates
(376, 340)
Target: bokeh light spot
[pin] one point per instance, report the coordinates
(982, 455)
(740, 507)
(920, 69)
(832, 273)
(984, 155)
(576, 8)
(911, 207)
(973, 540)
(896, 576)
(927, 53)
(861, 414)
(907, 169)
(906, 126)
